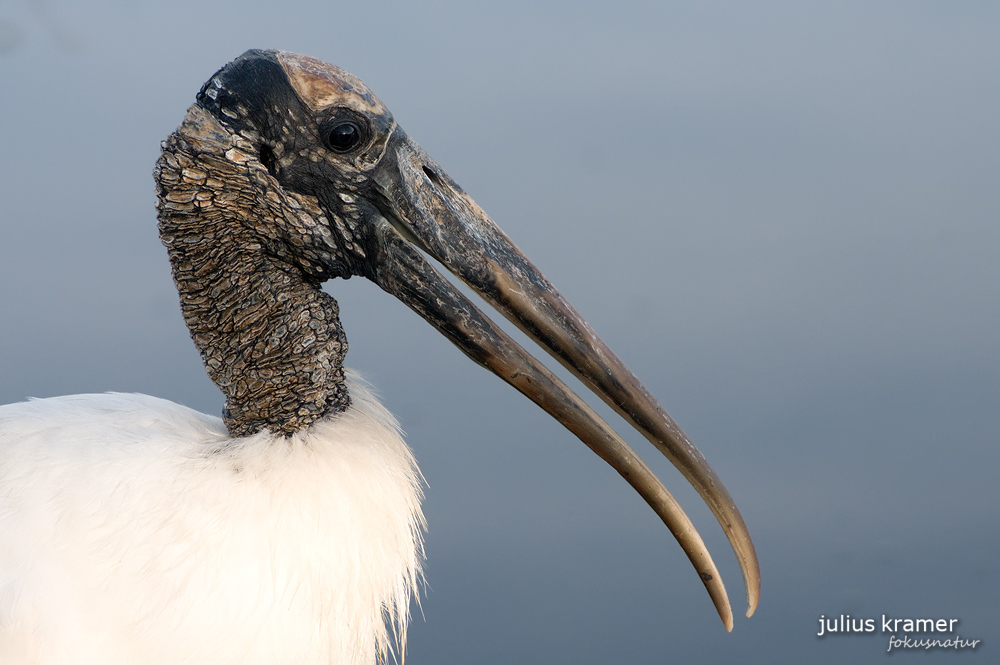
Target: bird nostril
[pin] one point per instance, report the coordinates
(433, 177)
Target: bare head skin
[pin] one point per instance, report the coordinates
(322, 86)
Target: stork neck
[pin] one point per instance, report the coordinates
(270, 338)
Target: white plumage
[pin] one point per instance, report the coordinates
(129, 520)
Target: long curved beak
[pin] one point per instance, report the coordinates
(416, 206)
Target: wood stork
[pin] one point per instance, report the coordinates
(134, 530)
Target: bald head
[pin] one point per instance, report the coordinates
(299, 111)
(321, 85)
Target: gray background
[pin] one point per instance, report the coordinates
(782, 215)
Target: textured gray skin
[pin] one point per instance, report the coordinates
(256, 211)
(248, 259)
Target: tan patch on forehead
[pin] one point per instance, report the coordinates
(321, 85)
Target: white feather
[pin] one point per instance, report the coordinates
(137, 531)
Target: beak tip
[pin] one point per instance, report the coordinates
(727, 619)
(752, 575)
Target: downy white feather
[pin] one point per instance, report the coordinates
(137, 531)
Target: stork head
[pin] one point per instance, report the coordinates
(347, 192)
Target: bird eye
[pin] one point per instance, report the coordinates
(344, 136)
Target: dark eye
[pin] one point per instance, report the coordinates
(344, 136)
